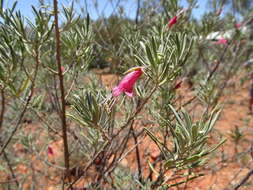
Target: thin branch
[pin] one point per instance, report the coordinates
(2, 108)
(63, 102)
(137, 151)
(88, 166)
(11, 169)
(137, 12)
(244, 180)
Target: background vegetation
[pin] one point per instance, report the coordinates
(62, 128)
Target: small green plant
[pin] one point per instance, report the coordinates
(237, 136)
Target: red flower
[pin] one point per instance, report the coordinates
(127, 83)
(62, 69)
(222, 41)
(178, 85)
(50, 150)
(238, 25)
(172, 21)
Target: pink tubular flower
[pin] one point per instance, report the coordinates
(127, 83)
(50, 150)
(178, 85)
(238, 25)
(62, 69)
(172, 21)
(221, 41)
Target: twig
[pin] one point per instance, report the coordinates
(2, 108)
(184, 181)
(63, 102)
(138, 157)
(11, 169)
(187, 179)
(137, 12)
(137, 151)
(244, 180)
(122, 156)
(88, 166)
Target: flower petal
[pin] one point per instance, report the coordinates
(172, 21)
(50, 150)
(127, 83)
(129, 92)
(117, 91)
